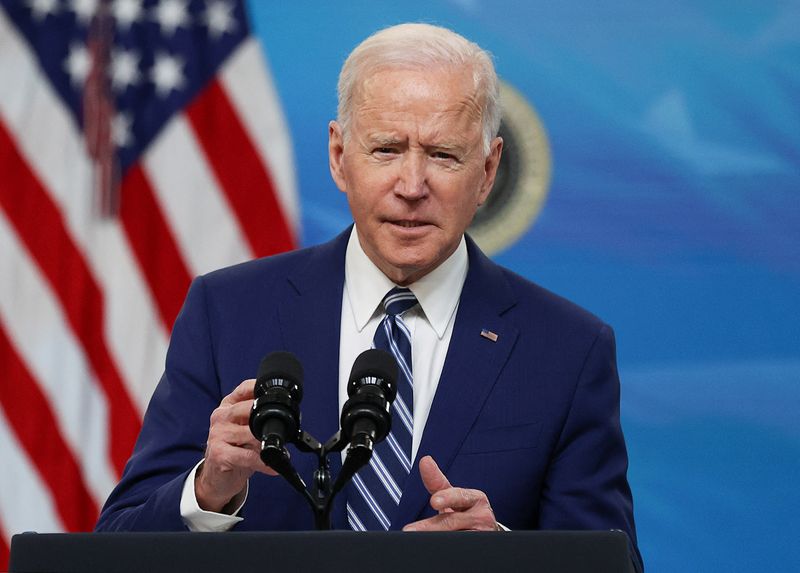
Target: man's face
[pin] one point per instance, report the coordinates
(413, 166)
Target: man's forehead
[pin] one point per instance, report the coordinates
(386, 106)
(388, 81)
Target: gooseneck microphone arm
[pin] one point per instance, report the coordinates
(365, 421)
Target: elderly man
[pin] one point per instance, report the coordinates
(508, 390)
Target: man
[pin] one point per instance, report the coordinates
(515, 390)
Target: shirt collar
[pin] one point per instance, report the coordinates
(437, 292)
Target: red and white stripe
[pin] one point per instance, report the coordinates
(86, 303)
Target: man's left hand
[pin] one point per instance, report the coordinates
(459, 508)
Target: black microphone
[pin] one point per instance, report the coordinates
(372, 387)
(275, 417)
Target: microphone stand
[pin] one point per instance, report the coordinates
(320, 498)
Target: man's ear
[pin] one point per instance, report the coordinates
(490, 165)
(336, 154)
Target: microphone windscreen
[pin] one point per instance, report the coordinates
(377, 364)
(281, 366)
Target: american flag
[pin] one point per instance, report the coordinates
(141, 143)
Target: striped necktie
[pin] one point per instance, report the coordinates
(376, 489)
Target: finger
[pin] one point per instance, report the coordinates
(225, 463)
(222, 437)
(224, 459)
(264, 469)
(243, 392)
(248, 455)
(232, 413)
(432, 477)
(455, 521)
(235, 435)
(458, 499)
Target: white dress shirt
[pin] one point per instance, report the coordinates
(430, 322)
(431, 326)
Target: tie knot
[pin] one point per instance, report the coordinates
(398, 300)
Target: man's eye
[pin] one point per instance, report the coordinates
(443, 155)
(384, 150)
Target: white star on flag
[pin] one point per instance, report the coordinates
(124, 69)
(121, 129)
(77, 64)
(167, 74)
(41, 9)
(84, 10)
(219, 18)
(171, 15)
(126, 12)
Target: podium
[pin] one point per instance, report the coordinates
(323, 551)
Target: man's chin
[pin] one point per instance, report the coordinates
(405, 268)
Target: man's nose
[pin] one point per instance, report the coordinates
(413, 180)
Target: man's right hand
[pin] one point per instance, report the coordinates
(232, 453)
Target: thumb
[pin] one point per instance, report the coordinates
(432, 477)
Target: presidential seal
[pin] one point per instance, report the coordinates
(523, 176)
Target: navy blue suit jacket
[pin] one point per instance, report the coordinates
(531, 419)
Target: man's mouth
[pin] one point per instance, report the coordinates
(408, 223)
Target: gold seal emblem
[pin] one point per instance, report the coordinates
(523, 176)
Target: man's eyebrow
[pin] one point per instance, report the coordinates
(387, 140)
(446, 146)
(384, 139)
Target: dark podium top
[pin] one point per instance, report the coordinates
(330, 551)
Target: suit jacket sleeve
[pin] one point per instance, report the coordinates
(174, 430)
(586, 485)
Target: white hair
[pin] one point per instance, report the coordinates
(417, 46)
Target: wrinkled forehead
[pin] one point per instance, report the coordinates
(459, 82)
(428, 107)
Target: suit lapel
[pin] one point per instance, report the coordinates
(470, 371)
(310, 317)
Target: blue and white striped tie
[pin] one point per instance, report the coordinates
(375, 491)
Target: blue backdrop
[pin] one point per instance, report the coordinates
(673, 213)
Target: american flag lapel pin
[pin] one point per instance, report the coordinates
(489, 335)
